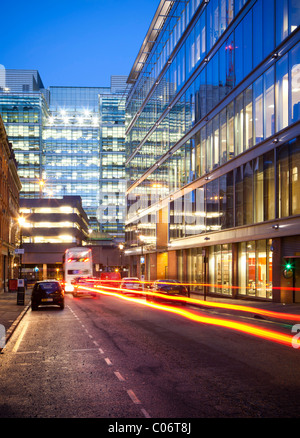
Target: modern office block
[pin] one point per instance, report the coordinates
(213, 148)
(84, 151)
(51, 226)
(69, 141)
(111, 212)
(24, 109)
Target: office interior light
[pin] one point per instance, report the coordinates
(66, 238)
(66, 209)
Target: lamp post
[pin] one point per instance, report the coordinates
(142, 259)
(22, 223)
(121, 247)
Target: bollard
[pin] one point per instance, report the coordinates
(21, 292)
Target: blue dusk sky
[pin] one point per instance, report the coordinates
(74, 42)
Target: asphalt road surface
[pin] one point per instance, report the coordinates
(110, 358)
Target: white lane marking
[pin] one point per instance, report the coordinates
(119, 376)
(19, 340)
(108, 361)
(145, 413)
(133, 397)
(131, 394)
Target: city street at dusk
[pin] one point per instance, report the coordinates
(150, 212)
(108, 357)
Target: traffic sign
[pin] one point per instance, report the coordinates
(19, 251)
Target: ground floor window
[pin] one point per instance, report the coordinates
(255, 269)
(220, 269)
(196, 269)
(213, 267)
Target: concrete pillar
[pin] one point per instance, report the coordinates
(44, 271)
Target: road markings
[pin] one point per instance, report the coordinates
(146, 415)
(133, 397)
(119, 376)
(19, 340)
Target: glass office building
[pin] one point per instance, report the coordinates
(213, 148)
(111, 212)
(69, 141)
(24, 109)
(85, 153)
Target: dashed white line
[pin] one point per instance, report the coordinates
(130, 393)
(133, 397)
(145, 413)
(119, 376)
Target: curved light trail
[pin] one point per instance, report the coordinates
(249, 329)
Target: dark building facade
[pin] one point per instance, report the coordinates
(52, 226)
(10, 187)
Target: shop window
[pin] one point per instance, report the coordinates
(255, 269)
(220, 269)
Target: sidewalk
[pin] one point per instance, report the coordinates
(11, 313)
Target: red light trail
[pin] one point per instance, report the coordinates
(270, 335)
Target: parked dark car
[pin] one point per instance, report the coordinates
(168, 287)
(131, 284)
(47, 292)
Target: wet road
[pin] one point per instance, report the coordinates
(109, 358)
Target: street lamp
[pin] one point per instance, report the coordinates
(142, 259)
(121, 247)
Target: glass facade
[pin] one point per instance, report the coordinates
(24, 117)
(85, 153)
(111, 211)
(71, 143)
(72, 146)
(212, 132)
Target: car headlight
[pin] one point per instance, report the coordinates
(69, 288)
